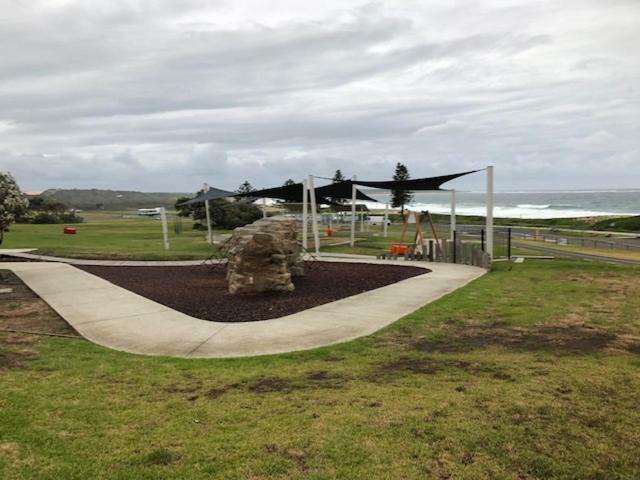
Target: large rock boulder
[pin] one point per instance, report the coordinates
(263, 256)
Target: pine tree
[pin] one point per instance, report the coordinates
(399, 198)
(337, 178)
(288, 183)
(246, 187)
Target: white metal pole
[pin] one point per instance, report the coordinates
(264, 207)
(386, 219)
(304, 214)
(352, 240)
(453, 212)
(165, 230)
(207, 210)
(490, 211)
(314, 215)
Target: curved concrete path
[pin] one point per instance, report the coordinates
(117, 318)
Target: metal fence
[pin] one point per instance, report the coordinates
(624, 244)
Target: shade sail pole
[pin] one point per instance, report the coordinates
(207, 210)
(489, 226)
(165, 230)
(453, 212)
(264, 207)
(314, 215)
(352, 239)
(305, 208)
(386, 218)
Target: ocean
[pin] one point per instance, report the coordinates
(542, 205)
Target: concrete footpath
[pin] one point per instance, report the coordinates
(117, 318)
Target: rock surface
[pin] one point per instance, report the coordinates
(264, 256)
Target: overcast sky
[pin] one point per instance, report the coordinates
(164, 95)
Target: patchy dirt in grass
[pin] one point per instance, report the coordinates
(298, 456)
(21, 311)
(573, 339)
(9, 450)
(272, 384)
(217, 392)
(13, 357)
(157, 457)
(201, 291)
(320, 379)
(428, 365)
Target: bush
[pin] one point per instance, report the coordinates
(627, 224)
(45, 217)
(13, 203)
(224, 213)
(230, 215)
(70, 217)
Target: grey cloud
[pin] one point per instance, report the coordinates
(155, 94)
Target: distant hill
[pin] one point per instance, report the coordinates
(95, 199)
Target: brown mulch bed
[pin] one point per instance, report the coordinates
(201, 291)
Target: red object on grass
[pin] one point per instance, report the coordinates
(330, 232)
(69, 231)
(398, 249)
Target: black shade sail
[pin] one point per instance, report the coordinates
(211, 194)
(293, 193)
(334, 191)
(417, 184)
(289, 193)
(342, 191)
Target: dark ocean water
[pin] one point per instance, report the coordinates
(549, 204)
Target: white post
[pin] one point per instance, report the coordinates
(304, 214)
(352, 240)
(165, 230)
(490, 211)
(453, 212)
(207, 210)
(264, 207)
(362, 221)
(386, 219)
(314, 215)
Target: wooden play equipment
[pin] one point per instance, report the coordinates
(434, 249)
(418, 248)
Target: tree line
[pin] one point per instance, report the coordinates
(16, 206)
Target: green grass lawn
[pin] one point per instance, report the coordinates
(124, 235)
(530, 372)
(112, 235)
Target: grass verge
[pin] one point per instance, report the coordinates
(530, 372)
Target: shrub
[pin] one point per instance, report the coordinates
(230, 215)
(13, 203)
(70, 217)
(45, 217)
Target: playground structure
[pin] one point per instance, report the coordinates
(311, 198)
(453, 250)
